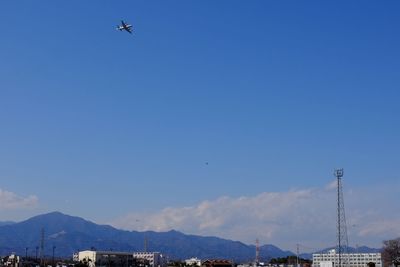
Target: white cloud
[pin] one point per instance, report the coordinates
(11, 201)
(305, 216)
(383, 226)
(332, 185)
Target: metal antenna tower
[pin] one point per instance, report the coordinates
(342, 240)
(257, 251)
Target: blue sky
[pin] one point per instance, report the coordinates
(273, 95)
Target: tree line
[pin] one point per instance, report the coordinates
(391, 252)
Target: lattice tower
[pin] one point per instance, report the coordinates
(257, 251)
(342, 239)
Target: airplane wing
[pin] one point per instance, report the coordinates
(128, 29)
(123, 23)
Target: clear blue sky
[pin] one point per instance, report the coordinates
(272, 94)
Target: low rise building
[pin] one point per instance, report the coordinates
(217, 263)
(331, 259)
(193, 262)
(155, 259)
(106, 258)
(12, 261)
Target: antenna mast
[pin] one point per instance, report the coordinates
(342, 240)
(257, 251)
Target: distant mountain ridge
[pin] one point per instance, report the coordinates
(70, 234)
(6, 223)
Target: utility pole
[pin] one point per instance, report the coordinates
(42, 248)
(26, 253)
(37, 249)
(297, 255)
(145, 242)
(54, 247)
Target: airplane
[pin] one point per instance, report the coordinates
(124, 26)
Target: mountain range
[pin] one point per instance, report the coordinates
(69, 234)
(6, 223)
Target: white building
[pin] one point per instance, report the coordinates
(193, 261)
(155, 259)
(331, 259)
(106, 258)
(326, 264)
(13, 261)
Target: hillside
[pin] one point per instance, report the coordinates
(69, 234)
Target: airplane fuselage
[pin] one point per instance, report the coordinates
(124, 28)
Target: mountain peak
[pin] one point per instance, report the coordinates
(56, 217)
(51, 214)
